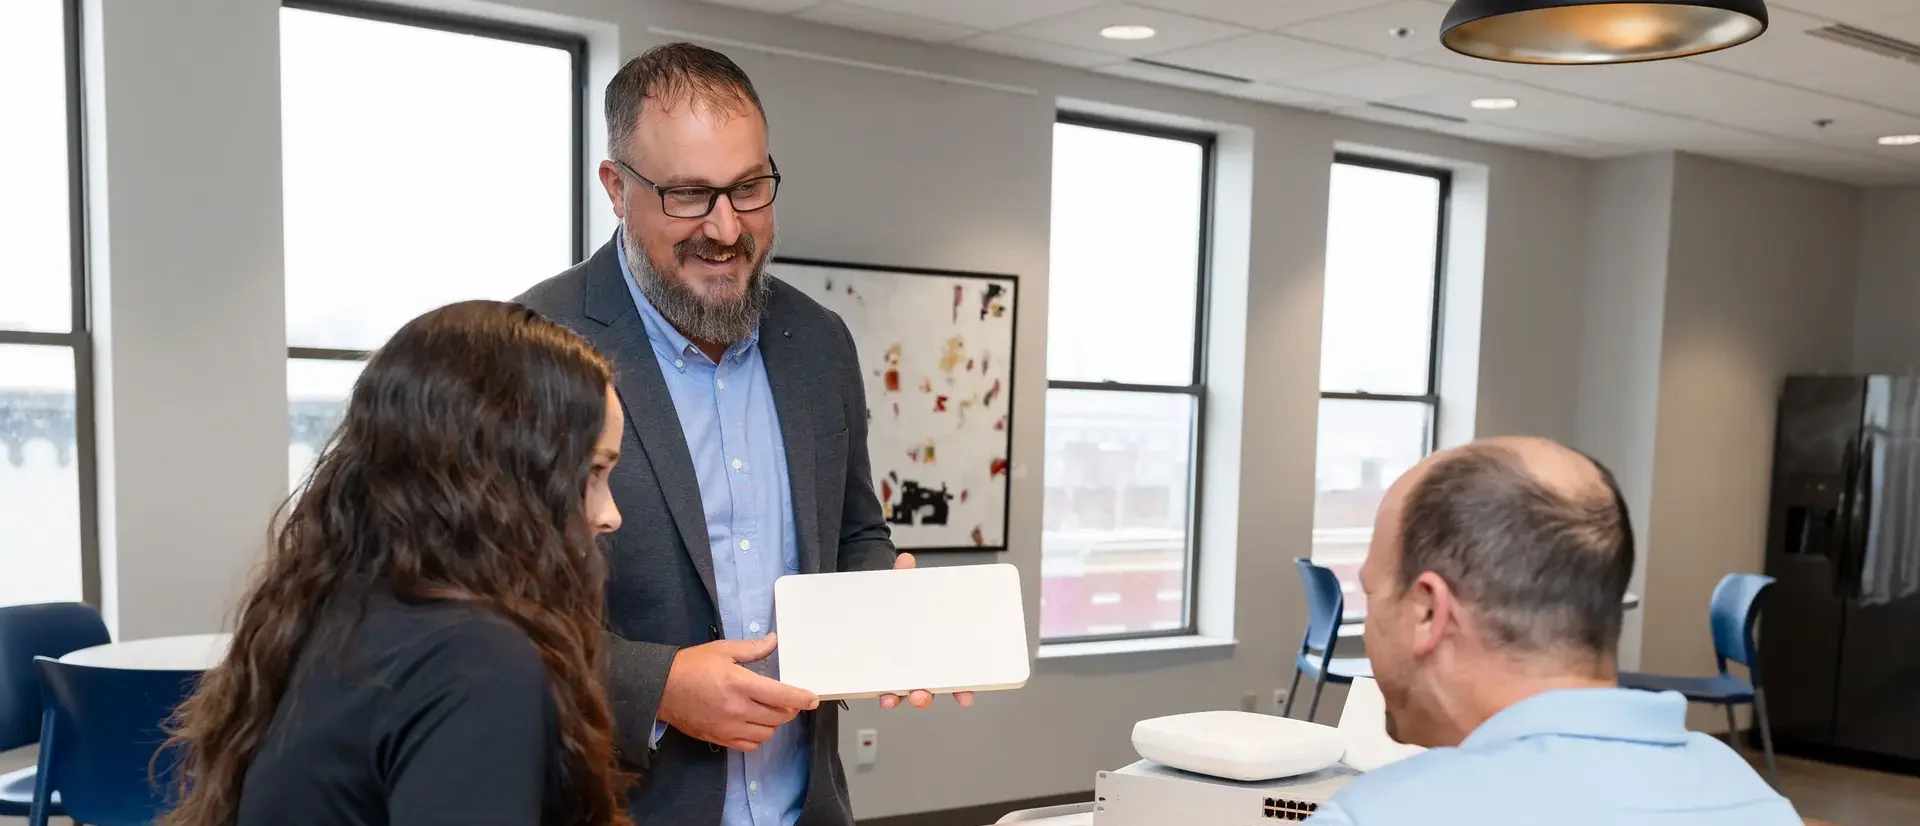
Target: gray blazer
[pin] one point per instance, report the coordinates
(660, 591)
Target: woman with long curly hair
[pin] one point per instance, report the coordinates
(422, 644)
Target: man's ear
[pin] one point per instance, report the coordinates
(616, 187)
(1431, 604)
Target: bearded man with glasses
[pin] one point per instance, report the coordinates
(747, 415)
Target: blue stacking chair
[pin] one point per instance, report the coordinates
(100, 744)
(1732, 612)
(27, 631)
(1325, 604)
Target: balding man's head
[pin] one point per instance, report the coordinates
(1519, 544)
(1533, 536)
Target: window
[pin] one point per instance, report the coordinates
(1379, 349)
(1126, 327)
(47, 541)
(427, 160)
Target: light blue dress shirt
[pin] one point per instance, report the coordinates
(739, 457)
(1575, 757)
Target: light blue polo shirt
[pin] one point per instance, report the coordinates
(1574, 757)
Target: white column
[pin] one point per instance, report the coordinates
(183, 102)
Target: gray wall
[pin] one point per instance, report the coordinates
(1887, 315)
(1759, 286)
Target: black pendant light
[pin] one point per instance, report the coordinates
(1598, 31)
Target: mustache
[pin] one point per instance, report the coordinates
(705, 247)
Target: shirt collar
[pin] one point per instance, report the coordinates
(666, 338)
(1658, 718)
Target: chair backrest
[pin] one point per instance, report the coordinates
(1732, 611)
(1325, 603)
(106, 726)
(26, 631)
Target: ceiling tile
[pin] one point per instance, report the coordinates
(1388, 80)
(1040, 50)
(1557, 144)
(1787, 55)
(768, 6)
(894, 24)
(1269, 57)
(1372, 29)
(1541, 110)
(1905, 26)
(1261, 14)
(1167, 77)
(980, 14)
(1081, 29)
(1296, 98)
(1857, 12)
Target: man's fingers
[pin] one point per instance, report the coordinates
(889, 700)
(921, 699)
(778, 694)
(903, 562)
(746, 651)
(765, 715)
(965, 698)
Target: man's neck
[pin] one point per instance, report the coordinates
(1495, 690)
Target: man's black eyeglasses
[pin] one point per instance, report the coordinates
(698, 201)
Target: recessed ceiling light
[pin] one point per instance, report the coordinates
(1127, 32)
(1900, 140)
(1495, 103)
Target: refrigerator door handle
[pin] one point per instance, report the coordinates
(1841, 559)
(1860, 518)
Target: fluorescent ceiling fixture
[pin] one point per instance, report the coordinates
(1495, 103)
(1127, 32)
(1900, 140)
(1598, 31)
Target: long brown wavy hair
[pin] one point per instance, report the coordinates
(459, 473)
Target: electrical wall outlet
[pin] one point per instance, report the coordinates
(867, 747)
(1279, 699)
(1250, 702)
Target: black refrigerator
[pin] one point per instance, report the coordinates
(1840, 629)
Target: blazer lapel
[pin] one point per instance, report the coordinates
(643, 392)
(794, 392)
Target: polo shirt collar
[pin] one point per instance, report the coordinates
(1658, 718)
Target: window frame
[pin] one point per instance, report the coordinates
(573, 44)
(1431, 398)
(1196, 389)
(79, 335)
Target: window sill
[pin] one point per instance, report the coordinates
(1107, 648)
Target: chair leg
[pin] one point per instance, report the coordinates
(1287, 709)
(1733, 739)
(1766, 735)
(1313, 709)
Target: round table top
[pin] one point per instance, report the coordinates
(193, 652)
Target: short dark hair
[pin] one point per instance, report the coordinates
(1545, 568)
(675, 73)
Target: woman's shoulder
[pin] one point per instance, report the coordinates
(443, 634)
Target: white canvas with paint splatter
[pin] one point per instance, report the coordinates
(936, 350)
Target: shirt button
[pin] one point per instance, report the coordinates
(737, 464)
(745, 545)
(754, 627)
(680, 363)
(753, 785)
(722, 383)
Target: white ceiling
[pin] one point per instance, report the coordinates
(1756, 103)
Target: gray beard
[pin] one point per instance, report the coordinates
(695, 315)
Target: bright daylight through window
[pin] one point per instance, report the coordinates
(426, 161)
(45, 405)
(1378, 396)
(1125, 330)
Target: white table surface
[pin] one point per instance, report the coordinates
(194, 652)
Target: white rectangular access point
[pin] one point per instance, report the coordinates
(862, 634)
(1148, 794)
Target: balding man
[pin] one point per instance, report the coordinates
(1493, 614)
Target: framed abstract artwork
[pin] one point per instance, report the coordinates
(937, 352)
